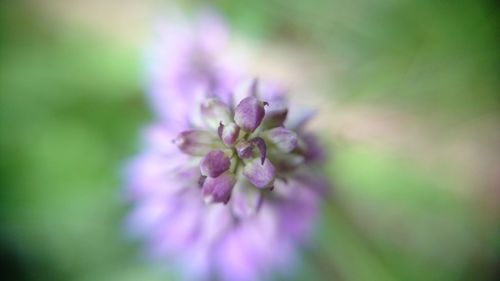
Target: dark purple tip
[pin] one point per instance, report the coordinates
(220, 129)
(261, 145)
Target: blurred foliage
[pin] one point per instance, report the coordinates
(430, 57)
(71, 106)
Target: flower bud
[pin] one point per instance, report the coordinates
(214, 112)
(229, 134)
(218, 189)
(195, 142)
(249, 113)
(214, 163)
(260, 175)
(284, 139)
(244, 149)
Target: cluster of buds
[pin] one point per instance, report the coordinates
(244, 148)
(225, 185)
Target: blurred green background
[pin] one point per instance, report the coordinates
(409, 94)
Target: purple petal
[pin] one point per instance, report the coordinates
(180, 229)
(260, 175)
(245, 89)
(218, 189)
(245, 200)
(235, 258)
(213, 32)
(249, 114)
(184, 59)
(284, 139)
(214, 163)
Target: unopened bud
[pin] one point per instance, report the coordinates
(284, 139)
(218, 189)
(214, 163)
(230, 134)
(195, 142)
(260, 175)
(244, 149)
(249, 113)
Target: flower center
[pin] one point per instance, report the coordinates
(241, 144)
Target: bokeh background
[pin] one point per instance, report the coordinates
(409, 102)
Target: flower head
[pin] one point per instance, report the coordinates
(226, 188)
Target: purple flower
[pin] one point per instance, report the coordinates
(224, 187)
